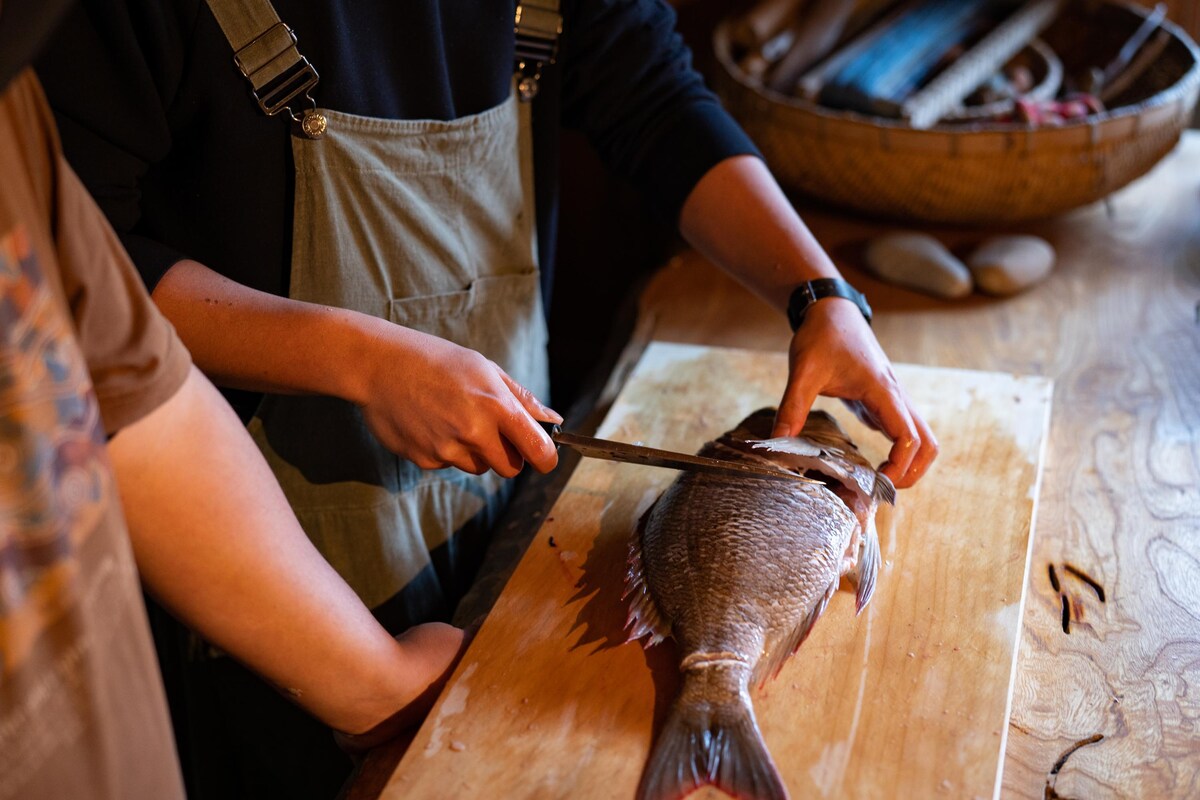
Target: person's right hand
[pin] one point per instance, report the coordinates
(438, 405)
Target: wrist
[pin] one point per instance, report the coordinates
(350, 354)
(812, 292)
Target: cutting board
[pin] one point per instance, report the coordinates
(909, 699)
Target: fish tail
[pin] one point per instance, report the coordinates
(719, 746)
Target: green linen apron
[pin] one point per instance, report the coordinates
(430, 225)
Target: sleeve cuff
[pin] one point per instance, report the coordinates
(123, 408)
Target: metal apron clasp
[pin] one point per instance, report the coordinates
(537, 26)
(278, 75)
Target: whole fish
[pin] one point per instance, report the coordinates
(737, 571)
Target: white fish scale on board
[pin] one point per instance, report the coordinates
(737, 571)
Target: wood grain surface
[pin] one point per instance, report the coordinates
(1107, 704)
(910, 697)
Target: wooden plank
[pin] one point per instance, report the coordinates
(1117, 327)
(907, 700)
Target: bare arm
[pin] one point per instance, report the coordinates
(216, 542)
(739, 218)
(426, 399)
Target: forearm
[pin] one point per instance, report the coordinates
(243, 338)
(739, 218)
(216, 542)
(426, 399)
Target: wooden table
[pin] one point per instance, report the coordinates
(1107, 697)
(1108, 704)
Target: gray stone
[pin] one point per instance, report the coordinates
(1005, 265)
(918, 261)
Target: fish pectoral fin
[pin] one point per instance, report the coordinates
(699, 748)
(772, 662)
(867, 569)
(884, 491)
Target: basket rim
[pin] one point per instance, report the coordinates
(1175, 93)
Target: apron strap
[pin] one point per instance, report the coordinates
(264, 50)
(537, 26)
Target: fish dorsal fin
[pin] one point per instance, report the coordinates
(800, 455)
(789, 446)
(769, 666)
(644, 618)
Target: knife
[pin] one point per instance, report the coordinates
(653, 457)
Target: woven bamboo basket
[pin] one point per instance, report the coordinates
(982, 173)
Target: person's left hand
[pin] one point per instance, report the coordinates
(835, 353)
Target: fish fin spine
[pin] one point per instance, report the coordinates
(721, 748)
(884, 490)
(643, 618)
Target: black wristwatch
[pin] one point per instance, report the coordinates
(810, 292)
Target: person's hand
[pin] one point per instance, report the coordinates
(441, 405)
(834, 353)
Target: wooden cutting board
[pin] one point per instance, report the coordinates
(910, 699)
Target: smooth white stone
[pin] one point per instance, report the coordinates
(1005, 265)
(918, 261)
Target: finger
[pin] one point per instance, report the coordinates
(533, 445)
(459, 455)
(863, 414)
(794, 407)
(529, 441)
(898, 425)
(527, 399)
(925, 454)
(510, 463)
(496, 455)
(472, 463)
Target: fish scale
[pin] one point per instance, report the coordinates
(737, 571)
(752, 545)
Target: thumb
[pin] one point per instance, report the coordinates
(793, 410)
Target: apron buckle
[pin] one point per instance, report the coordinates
(277, 72)
(537, 28)
(278, 95)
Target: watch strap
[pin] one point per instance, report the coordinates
(809, 292)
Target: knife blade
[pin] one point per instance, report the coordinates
(653, 457)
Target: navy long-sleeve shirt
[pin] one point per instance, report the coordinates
(159, 123)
